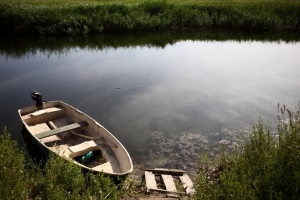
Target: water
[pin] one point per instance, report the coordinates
(184, 86)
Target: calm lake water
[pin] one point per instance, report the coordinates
(135, 91)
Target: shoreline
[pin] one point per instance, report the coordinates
(69, 18)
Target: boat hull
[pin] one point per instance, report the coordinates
(59, 127)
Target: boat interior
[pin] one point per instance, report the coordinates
(61, 132)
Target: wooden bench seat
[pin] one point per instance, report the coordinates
(44, 115)
(40, 128)
(83, 148)
(61, 129)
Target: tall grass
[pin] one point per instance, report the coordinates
(97, 17)
(267, 166)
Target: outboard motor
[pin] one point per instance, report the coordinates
(38, 98)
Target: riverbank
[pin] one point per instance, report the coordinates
(78, 18)
(263, 167)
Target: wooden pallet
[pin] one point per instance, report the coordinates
(167, 176)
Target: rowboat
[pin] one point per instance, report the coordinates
(58, 127)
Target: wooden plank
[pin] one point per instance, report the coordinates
(169, 183)
(176, 172)
(39, 128)
(166, 191)
(39, 112)
(172, 195)
(187, 184)
(61, 129)
(45, 111)
(51, 125)
(150, 180)
(83, 146)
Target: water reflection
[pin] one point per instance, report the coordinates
(171, 84)
(17, 47)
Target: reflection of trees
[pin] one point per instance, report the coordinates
(17, 47)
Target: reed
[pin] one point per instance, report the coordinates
(94, 17)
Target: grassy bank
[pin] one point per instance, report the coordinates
(80, 18)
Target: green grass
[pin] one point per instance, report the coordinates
(93, 17)
(265, 167)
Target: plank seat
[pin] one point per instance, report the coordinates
(39, 128)
(41, 112)
(61, 129)
(44, 115)
(83, 146)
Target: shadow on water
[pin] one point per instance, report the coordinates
(17, 47)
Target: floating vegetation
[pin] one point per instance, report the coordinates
(183, 151)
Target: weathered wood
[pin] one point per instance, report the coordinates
(187, 184)
(150, 180)
(51, 125)
(176, 172)
(61, 129)
(173, 195)
(83, 146)
(169, 182)
(42, 116)
(166, 191)
(39, 112)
